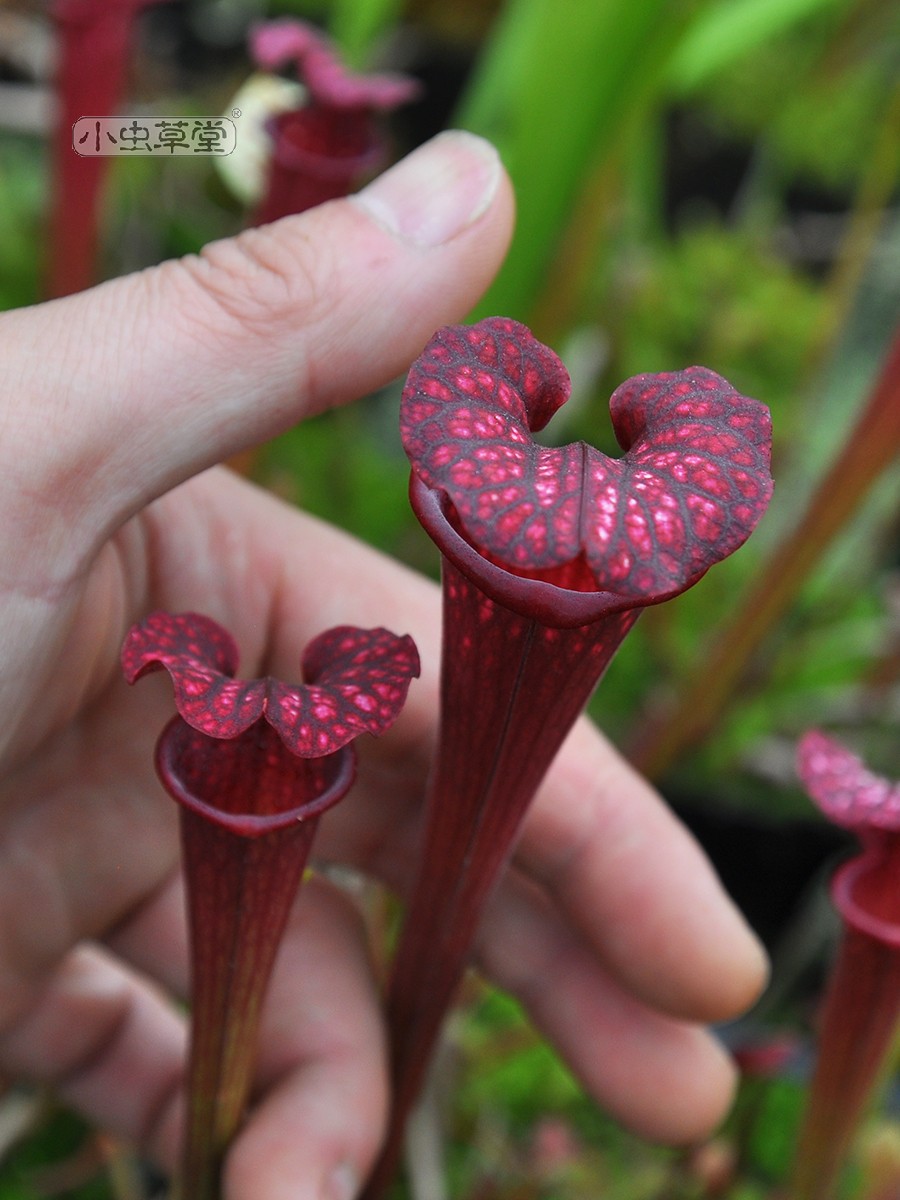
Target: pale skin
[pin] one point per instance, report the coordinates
(610, 926)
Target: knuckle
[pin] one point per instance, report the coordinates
(260, 280)
(31, 949)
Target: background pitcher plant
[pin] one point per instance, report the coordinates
(862, 1002)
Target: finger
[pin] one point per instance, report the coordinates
(153, 938)
(150, 378)
(108, 1042)
(631, 1058)
(634, 881)
(628, 1056)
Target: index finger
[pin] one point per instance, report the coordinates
(637, 885)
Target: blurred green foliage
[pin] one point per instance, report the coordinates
(60, 1158)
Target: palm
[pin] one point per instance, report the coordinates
(90, 773)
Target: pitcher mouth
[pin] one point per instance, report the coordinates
(197, 770)
(859, 894)
(549, 603)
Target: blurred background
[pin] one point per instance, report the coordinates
(698, 181)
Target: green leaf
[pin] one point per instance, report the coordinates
(356, 24)
(555, 90)
(726, 32)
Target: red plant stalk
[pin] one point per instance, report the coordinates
(242, 870)
(253, 765)
(95, 38)
(862, 1005)
(549, 555)
(334, 141)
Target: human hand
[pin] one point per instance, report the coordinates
(610, 927)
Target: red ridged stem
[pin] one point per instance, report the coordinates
(243, 863)
(512, 685)
(549, 555)
(95, 38)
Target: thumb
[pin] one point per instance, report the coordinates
(125, 390)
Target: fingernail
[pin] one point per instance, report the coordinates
(341, 1184)
(436, 192)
